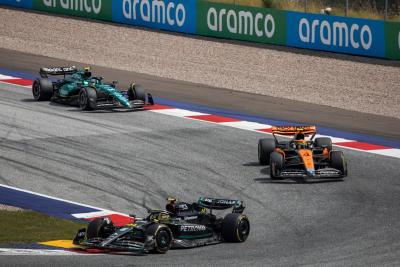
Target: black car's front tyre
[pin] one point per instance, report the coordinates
(162, 237)
(87, 98)
(97, 228)
(42, 89)
(235, 227)
(265, 147)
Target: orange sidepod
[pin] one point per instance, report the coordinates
(307, 156)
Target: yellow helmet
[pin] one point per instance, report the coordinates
(171, 200)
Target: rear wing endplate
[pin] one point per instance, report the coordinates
(44, 72)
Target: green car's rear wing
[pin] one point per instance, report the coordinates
(221, 204)
(44, 72)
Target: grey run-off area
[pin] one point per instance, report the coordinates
(341, 81)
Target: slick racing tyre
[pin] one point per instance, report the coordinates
(235, 227)
(339, 162)
(276, 165)
(97, 228)
(136, 92)
(265, 147)
(162, 237)
(42, 89)
(87, 98)
(323, 142)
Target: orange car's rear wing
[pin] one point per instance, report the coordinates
(293, 130)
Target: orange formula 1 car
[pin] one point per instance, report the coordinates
(302, 156)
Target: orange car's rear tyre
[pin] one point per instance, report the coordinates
(323, 142)
(265, 147)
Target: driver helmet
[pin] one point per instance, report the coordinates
(171, 205)
(87, 73)
(299, 141)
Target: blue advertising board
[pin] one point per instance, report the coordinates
(172, 15)
(17, 3)
(336, 34)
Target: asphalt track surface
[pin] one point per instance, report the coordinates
(270, 107)
(127, 161)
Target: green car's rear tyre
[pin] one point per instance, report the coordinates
(265, 147)
(235, 227)
(42, 89)
(163, 237)
(87, 98)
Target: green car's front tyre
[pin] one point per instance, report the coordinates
(42, 89)
(136, 92)
(88, 98)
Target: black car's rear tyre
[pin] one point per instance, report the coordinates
(235, 227)
(323, 142)
(87, 98)
(163, 237)
(42, 89)
(338, 162)
(265, 147)
(136, 92)
(97, 228)
(276, 165)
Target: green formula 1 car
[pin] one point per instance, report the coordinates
(80, 88)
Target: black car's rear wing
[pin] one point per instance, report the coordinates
(221, 204)
(44, 72)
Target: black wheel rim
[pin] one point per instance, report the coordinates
(83, 100)
(163, 239)
(273, 169)
(36, 91)
(243, 229)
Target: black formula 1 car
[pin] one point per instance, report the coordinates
(307, 159)
(79, 87)
(181, 225)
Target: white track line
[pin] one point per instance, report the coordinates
(39, 252)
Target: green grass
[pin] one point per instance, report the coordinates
(30, 226)
(313, 6)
